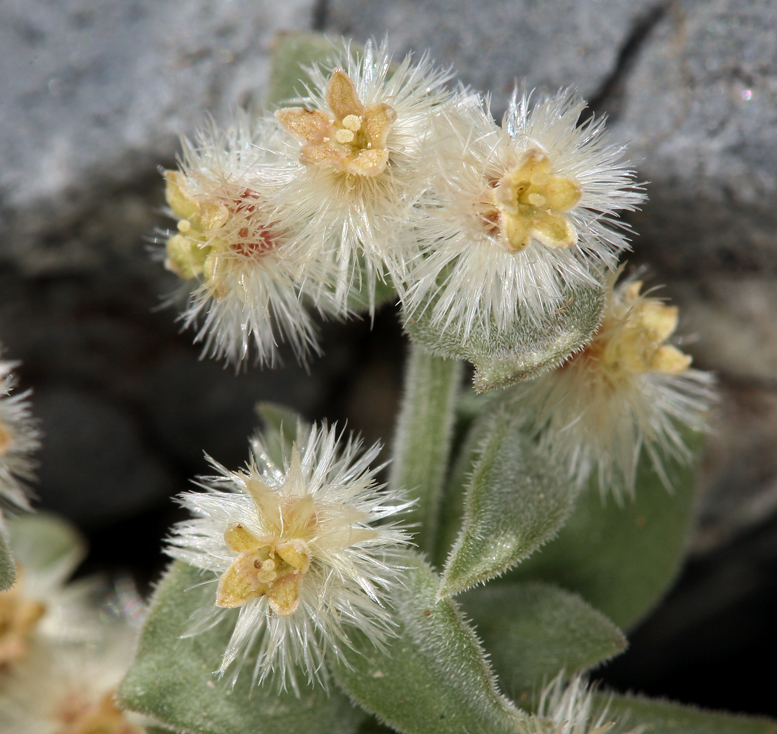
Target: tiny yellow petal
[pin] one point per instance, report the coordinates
(309, 126)
(554, 230)
(239, 583)
(670, 360)
(369, 163)
(240, 539)
(283, 594)
(341, 96)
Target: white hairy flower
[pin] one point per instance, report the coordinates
(516, 215)
(626, 391)
(70, 689)
(19, 439)
(359, 135)
(298, 550)
(235, 251)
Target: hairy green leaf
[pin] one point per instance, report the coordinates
(622, 559)
(525, 349)
(7, 565)
(171, 679)
(434, 678)
(534, 631)
(47, 543)
(517, 498)
(423, 437)
(664, 717)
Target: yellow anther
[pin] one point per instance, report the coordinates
(352, 122)
(344, 136)
(537, 200)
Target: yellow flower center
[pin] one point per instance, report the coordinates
(6, 439)
(214, 232)
(78, 716)
(268, 566)
(19, 618)
(351, 138)
(528, 203)
(632, 338)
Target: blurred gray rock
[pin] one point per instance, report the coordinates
(95, 95)
(699, 107)
(493, 43)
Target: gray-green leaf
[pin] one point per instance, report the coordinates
(622, 559)
(7, 565)
(533, 631)
(664, 717)
(434, 679)
(47, 543)
(291, 53)
(520, 351)
(171, 679)
(517, 499)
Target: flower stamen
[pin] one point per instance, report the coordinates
(351, 138)
(212, 231)
(529, 203)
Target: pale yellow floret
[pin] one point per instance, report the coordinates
(212, 235)
(633, 335)
(19, 617)
(6, 439)
(530, 203)
(78, 716)
(351, 138)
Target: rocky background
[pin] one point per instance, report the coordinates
(95, 93)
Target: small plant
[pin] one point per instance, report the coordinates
(522, 525)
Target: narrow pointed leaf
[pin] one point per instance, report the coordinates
(7, 565)
(171, 679)
(622, 559)
(534, 631)
(517, 499)
(434, 679)
(665, 717)
(423, 437)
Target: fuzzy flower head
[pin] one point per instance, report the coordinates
(243, 275)
(297, 551)
(516, 215)
(627, 390)
(66, 689)
(19, 439)
(359, 135)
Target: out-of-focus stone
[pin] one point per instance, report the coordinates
(494, 42)
(95, 467)
(96, 94)
(699, 109)
(739, 472)
(732, 320)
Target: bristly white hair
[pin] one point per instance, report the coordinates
(248, 295)
(19, 439)
(570, 708)
(353, 559)
(356, 221)
(468, 276)
(598, 419)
